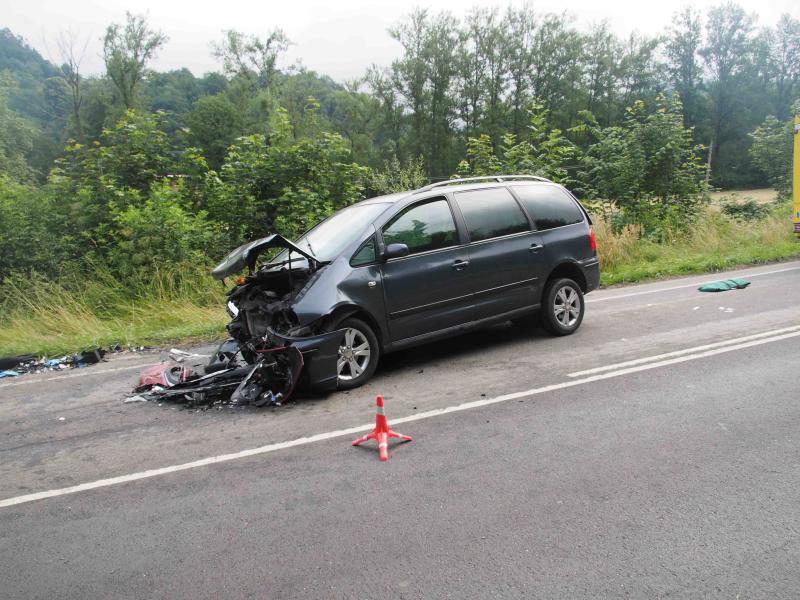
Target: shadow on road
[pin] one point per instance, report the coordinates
(475, 342)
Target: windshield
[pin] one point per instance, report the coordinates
(327, 239)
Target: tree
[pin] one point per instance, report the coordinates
(640, 72)
(16, 137)
(72, 53)
(127, 50)
(726, 54)
(410, 74)
(785, 56)
(601, 52)
(214, 124)
(557, 68)
(492, 43)
(649, 166)
(543, 151)
(275, 183)
(356, 115)
(251, 57)
(772, 153)
(684, 40)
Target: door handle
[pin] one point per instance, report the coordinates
(535, 247)
(460, 264)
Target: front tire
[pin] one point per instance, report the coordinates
(562, 307)
(358, 354)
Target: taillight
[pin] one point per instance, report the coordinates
(592, 240)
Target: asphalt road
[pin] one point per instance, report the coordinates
(655, 453)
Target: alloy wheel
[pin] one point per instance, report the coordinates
(354, 355)
(567, 306)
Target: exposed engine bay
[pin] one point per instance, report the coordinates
(263, 360)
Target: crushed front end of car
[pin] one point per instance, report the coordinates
(269, 351)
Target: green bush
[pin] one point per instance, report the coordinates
(748, 210)
(544, 151)
(161, 232)
(649, 167)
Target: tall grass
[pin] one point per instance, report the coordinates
(80, 311)
(714, 243)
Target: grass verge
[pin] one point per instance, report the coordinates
(84, 311)
(80, 311)
(715, 243)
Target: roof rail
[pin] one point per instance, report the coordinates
(497, 178)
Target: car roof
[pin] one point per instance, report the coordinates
(460, 185)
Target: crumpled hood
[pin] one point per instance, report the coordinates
(247, 254)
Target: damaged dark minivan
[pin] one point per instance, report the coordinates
(403, 269)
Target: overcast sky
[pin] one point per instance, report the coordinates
(340, 38)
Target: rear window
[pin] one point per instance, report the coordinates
(550, 206)
(491, 213)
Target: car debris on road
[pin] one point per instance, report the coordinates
(13, 366)
(268, 350)
(268, 382)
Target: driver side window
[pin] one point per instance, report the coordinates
(423, 227)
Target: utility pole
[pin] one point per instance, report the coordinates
(796, 176)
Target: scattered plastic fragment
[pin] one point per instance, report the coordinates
(136, 398)
(724, 285)
(8, 374)
(182, 355)
(62, 418)
(163, 375)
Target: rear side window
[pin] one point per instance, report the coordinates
(550, 206)
(491, 213)
(428, 226)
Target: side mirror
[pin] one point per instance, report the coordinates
(395, 251)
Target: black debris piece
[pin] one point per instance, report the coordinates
(9, 362)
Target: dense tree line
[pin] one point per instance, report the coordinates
(137, 166)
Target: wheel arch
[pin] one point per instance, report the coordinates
(570, 270)
(345, 311)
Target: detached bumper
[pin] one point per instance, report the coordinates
(591, 271)
(320, 353)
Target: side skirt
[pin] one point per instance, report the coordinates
(459, 329)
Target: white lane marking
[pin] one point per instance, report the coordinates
(684, 286)
(351, 430)
(638, 361)
(73, 375)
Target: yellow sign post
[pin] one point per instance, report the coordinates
(796, 176)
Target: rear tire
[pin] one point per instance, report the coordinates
(562, 307)
(358, 353)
